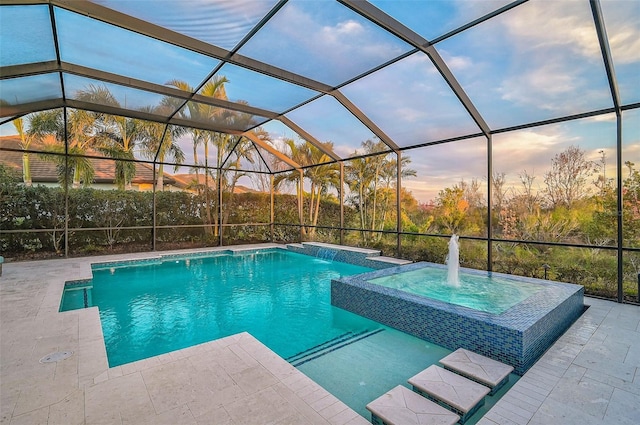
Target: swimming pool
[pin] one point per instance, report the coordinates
(152, 307)
(281, 298)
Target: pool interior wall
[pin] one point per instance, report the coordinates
(517, 337)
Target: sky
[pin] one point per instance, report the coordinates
(538, 61)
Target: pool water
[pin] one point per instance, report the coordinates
(281, 298)
(491, 294)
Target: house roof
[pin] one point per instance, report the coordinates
(44, 171)
(185, 180)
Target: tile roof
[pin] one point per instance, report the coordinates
(44, 171)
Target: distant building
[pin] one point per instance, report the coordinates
(44, 172)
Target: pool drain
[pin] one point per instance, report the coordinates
(56, 357)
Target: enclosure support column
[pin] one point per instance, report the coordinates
(154, 230)
(272, 215)
(607, 60)
(341, 203)
(207, 208)
(489, 203)
(398, 204)
(219, 212)
(620, 206)
(66, 186)
(300, 203)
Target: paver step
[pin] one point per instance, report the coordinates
(390, 260)
(401, 406)
(478, 368)
(457, 393)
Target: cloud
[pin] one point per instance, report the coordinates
(625, 45)
(552, 40)
(542, 59)
(603, 118)
(623, 27)
(457, 63)
(527, 149)
(547, 87)
(441, 166)
(540, 26)
(349, 27)
(325, 42)
(411, 102)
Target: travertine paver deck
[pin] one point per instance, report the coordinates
(401, 406)
(478, 368)
(462, 394)
(590, 376)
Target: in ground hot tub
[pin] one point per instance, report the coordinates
(509, 318)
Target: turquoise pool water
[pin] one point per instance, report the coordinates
(281, 298)
(492, 294)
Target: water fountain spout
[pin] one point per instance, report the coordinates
(453, 261)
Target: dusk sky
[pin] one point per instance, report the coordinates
(538, 61)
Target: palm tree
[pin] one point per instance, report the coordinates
(389, 178)
(127, 133)
(364, 176)
(358, 179)
(322, 177)
(119, 135)
(231, 151)
(26, 138)
(300, 155)
(80, 137)
(161, 145)
(202, 112)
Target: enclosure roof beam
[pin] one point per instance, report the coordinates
(122, 20)
(388, 23)
(27, 108)
(24, 70)
(266, 146)
(603, 39)
(52, 66)
(163, 90)
(162, 119)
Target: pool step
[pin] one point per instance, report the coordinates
(401, 406)
(457, 393)
(480, 369)
(327, 343)
(329, 346)
(389, 260)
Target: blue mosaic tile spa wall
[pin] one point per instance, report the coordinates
(517, 337)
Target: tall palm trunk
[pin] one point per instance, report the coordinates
(207, 201)
(317, 212)
(26, 170)
(301, 205)
(216, 217)
(312, 197)
(361, 205)
(76, 177)
(160, 179)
